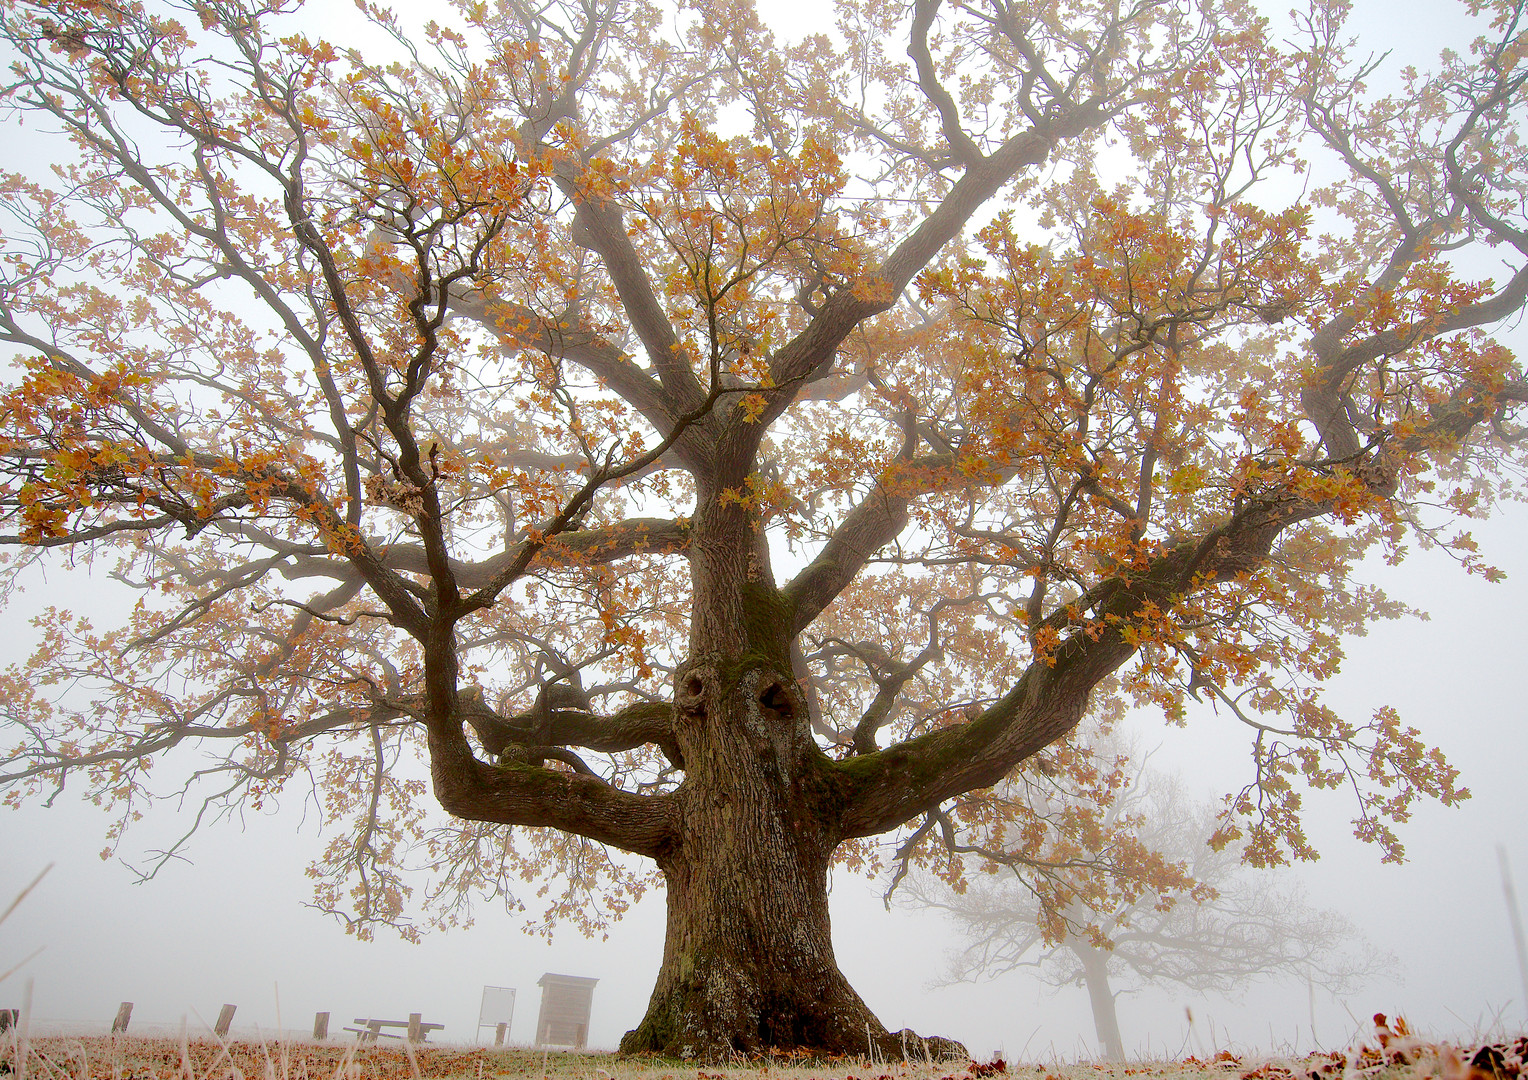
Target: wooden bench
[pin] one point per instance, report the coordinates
(417, 1030)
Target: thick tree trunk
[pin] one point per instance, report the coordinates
(748, 961)
(1095, 973)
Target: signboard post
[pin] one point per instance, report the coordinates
(497, 1012)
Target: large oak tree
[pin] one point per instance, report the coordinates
(754, 448)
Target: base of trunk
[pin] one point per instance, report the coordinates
(874, 1045)
(719, 1017)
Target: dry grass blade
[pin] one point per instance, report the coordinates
(408, 1048)
(224, 1053)
(23, 963)
(21, 1038)
(270, 1067)
(24, 1038)
(286, 1062)
(185, 1052)
(22, 895)
(343, 1068)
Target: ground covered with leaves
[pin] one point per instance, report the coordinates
(1393, 1052)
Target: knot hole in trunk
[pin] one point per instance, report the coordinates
(694, 686)
(774, 698)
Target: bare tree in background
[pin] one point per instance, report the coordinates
(1178, 910)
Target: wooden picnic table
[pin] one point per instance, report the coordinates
(418, 1030)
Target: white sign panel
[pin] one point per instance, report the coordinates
(498, 1006)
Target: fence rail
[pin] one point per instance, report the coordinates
(563, 1021)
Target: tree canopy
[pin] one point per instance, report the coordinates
(757, 446)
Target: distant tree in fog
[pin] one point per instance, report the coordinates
(1148, 900)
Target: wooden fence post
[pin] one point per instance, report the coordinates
(124, 1014)
(9, 1018)
(225, 1021)
(499, 1033)
(415, 1019)
(320, 1026)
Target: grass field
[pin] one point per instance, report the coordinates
(1392, 1053)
